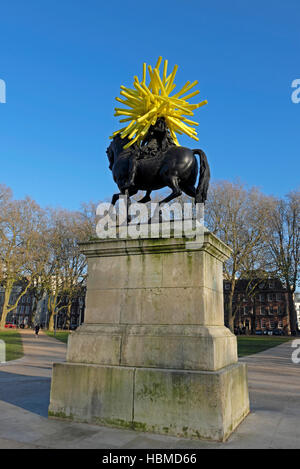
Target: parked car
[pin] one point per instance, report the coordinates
(10, 325)
(278, 332)
(258, 332)
(268, 332)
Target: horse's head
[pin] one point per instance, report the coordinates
(115, 148)
(110, 155)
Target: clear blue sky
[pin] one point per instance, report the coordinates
(64, 61)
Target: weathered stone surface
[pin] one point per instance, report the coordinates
(182, 403)
(91, 393)
(96, 345)
(153, 353)
(179, 347)
(163, 346)
(155, 281)
(191, 404)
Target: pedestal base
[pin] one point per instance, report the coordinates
(154, 354)
(193, 404)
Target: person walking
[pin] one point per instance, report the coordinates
(37, 328)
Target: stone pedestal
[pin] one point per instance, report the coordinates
(153, 353)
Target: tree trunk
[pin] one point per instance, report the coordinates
(68, 318)
(51, 321)
(253, 318)
(231, 314)
(5, 310)
(33, 312)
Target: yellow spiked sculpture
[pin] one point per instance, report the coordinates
(148, 102)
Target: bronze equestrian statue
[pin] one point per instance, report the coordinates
(156, 163)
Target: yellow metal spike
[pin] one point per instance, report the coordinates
(191, 95)
(144, 73)
(158, 63)
(188, 88)
(131, 142)
(170, 81)
(160, 82)
(165, 72)
(125, 120)
(182, 91)
(145, 116)
(188, 121)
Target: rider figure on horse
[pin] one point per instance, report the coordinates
(156, 141)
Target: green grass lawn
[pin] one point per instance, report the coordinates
(13, 342)
(248, 345)
(60, 335)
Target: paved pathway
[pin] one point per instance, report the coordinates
(274, 422)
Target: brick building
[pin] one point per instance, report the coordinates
(29, 307)
(260, 305)
(23, 312)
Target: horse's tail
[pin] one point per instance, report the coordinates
(204, 177)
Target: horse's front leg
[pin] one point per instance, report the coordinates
(128, 193)
(146, 198)
(115, 198)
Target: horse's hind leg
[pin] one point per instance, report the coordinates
(172, 182)
(189, 190)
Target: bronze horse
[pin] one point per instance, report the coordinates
(177, 168)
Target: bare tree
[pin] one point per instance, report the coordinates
(283, 236)
(66, 271)
(20, 229)
(237, 216)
